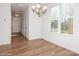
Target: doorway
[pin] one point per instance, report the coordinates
(17, 23)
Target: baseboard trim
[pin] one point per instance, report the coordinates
(73, 50)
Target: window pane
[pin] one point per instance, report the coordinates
(67, 18)
(54, 18)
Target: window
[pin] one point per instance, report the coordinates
(54, 18)
(62, 14)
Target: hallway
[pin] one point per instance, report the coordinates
(23, 47)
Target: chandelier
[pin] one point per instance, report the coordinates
(39, 9)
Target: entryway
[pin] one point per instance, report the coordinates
(18, 25)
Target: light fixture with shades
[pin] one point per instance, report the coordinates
(39, 9)
(16, 15)
(20, 4)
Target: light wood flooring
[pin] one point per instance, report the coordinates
(20, 46)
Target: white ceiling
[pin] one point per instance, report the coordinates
(15, 6)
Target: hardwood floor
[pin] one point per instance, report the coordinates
(20, 46)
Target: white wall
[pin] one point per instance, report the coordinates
(65, 40)
(5, 23)
(25, 23)
(31, 24)
(16, 24)
(34, 25)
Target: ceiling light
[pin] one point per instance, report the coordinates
(39, 9)
(16, 15)
(45, 8)
(20, 4)
(33, 8)
(38, 6)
